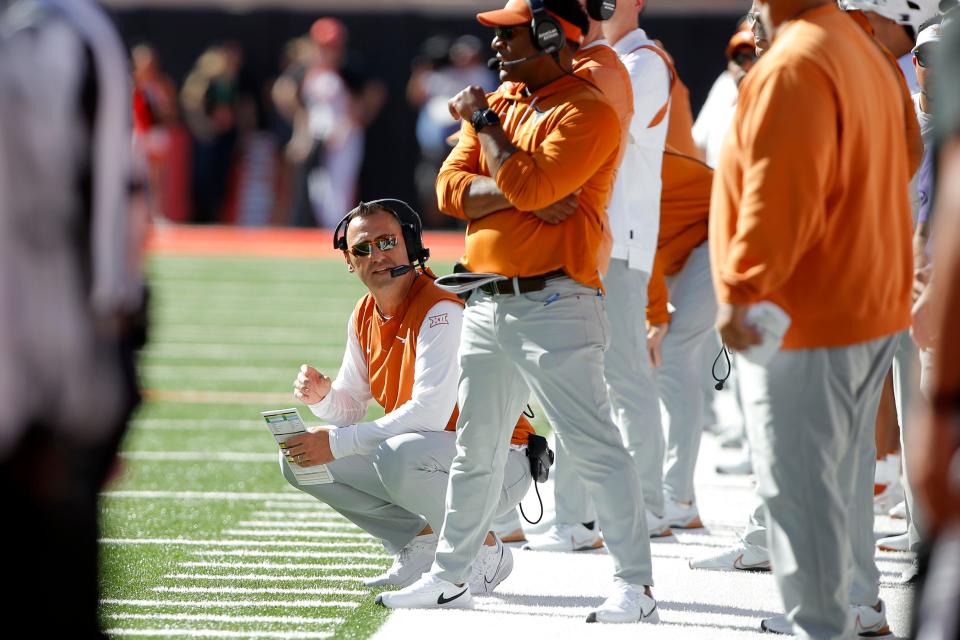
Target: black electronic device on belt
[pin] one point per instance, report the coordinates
(540, 456)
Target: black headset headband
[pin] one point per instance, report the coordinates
(410, 226)
(548, 34)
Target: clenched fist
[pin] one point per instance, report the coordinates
(311, 386)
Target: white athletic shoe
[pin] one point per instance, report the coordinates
(778, 625)
(657, 527)
(739, 557)
(742, 466)
(899, 542)
(565, 537)
(871, 623)
(887, 498)
(492, 566)
(681, 516)
(899, 511)
(868, 623)
(429, 592)
(411, 563)
(628, 603)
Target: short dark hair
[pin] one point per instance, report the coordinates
(571, 11)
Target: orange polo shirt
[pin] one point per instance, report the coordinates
(684, 210)
(390, 348)
(810, 208)
(568, 138)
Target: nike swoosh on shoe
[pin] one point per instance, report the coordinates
(739, 564)
(441, 600)
(499, 564)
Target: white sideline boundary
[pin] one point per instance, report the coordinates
(264, 577)
(215, 633)
(192, 617)
(217, 604)
(278, 566)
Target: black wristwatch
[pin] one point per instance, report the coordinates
(484, 117)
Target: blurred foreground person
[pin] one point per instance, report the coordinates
(792, 186)
(69, 291)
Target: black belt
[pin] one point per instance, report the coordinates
(520, 285)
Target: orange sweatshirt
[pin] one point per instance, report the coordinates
(684, 209)
(810, 207)
(568, 138)
(390, 347)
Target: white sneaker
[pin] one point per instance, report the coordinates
(899, 542)
(492, 566)
(657, 527)
(565, 537)
(868, 623)
(411, 563)
(899, 511)
(887, 498)
(682, 516)
(629, 603)
(739, 557)
(871, 623)
(778, 625)
(429, 592)
(742, 466)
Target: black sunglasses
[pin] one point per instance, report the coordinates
(365, 249)
(504, 33)
(923, 58)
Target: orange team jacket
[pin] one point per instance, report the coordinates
(684, 210)
(810, 208)
(390, 362)
(568, 138)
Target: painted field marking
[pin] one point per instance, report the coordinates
(191, 424)
(272, 504)
(197, 456)
(247, 577)
(196, 617)
(313, 591)
(297, 534)
(317, 555)
(215, 633)
(219, 372)
(285, 499)
(311, 524)
(217, 604)
(275, 566)
(240, 543)
(293, 515)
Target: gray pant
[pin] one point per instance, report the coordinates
(633, 399)
(680, 376)
(393, 494)
(811, 416)
(906, 363)
(551, 343)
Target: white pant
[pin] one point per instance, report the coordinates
(633, 399)
(393, 494)
(681, 375)
(811, 416)
(550, 342)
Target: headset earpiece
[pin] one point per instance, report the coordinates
(547, 34)
(601, 9)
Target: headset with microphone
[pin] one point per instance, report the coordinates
(410, 227)
(546, 32)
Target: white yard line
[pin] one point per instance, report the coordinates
(248, 577)
(306, 501)
(277, 566)
(284, 499)
(220, 603)
(317, 555)
(224, 350)
(313, 591)
(311, 524)
(215, 633)
(295, 515)
(190, 424)
(196, 617)
(198, 456)
(218, 372)
(297, 534)
(240, 543)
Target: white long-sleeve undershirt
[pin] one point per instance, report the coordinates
(435, 379)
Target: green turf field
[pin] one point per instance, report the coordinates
(202, 537)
